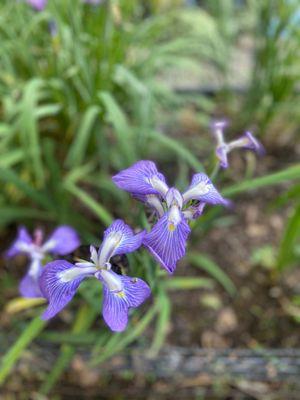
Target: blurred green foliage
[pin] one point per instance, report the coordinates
(91, 98)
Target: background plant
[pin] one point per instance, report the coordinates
(96, 95)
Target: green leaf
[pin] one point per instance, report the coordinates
(209, 266)
(178, 148)
(123, 340)
(9, 176)
(117, 118)
(187, 283)
(92, 204)
(287, 174)
(162, 324)
(31, 331)
(32, 94)
(11, 158)
(11, 214)
(289, 240)
(85, 317)
(81, 140)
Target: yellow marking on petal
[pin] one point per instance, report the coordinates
(171, 227)
(121, 294)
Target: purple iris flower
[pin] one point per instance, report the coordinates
(63, 240)
(60, 279)
(246, 141)
(167, 239)
(93, 2)
(38, 5)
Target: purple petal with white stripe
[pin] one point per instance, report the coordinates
(141, 178)
(167, 241)
(116, 304)
(119, 239)
(63, 241)
(59, 282)
(21, 243)
(202, 189)
(29, 286)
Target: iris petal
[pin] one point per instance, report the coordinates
(59, 282)
(63, 241)
(202, 189)
(119, 239)
(22, 242)
(29, 286)
(116, 304)
(167, 242)
(141, 178)
(38, 5)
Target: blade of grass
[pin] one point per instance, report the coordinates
(92, 204)
(288, 241)
(178, 148)
(162, 324)
(84, 319)
(117, 118)
(31, 331)
(87, 338)
(9, 176)
(287, 174)
(28, 126)
(205, 263)
(79, 146)
(129, 336)
(10, 214)
(187, 283)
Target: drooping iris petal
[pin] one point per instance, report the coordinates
(221, 153)
(167, 241)
(194, 211)
(21, 244)
(29, 285)
(38, 5)
(141, 178)
(202, 189)
(253, 144)
(59, 282)
(116, 304)
(63, 241)
(153, 201)
(118, 239)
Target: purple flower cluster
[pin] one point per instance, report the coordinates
(59, 280)
(167, 239)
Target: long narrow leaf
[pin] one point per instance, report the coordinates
(287, 174)
(15, 352)
(289, 239)
(205, 263)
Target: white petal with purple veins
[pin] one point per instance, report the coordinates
(202, 189)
